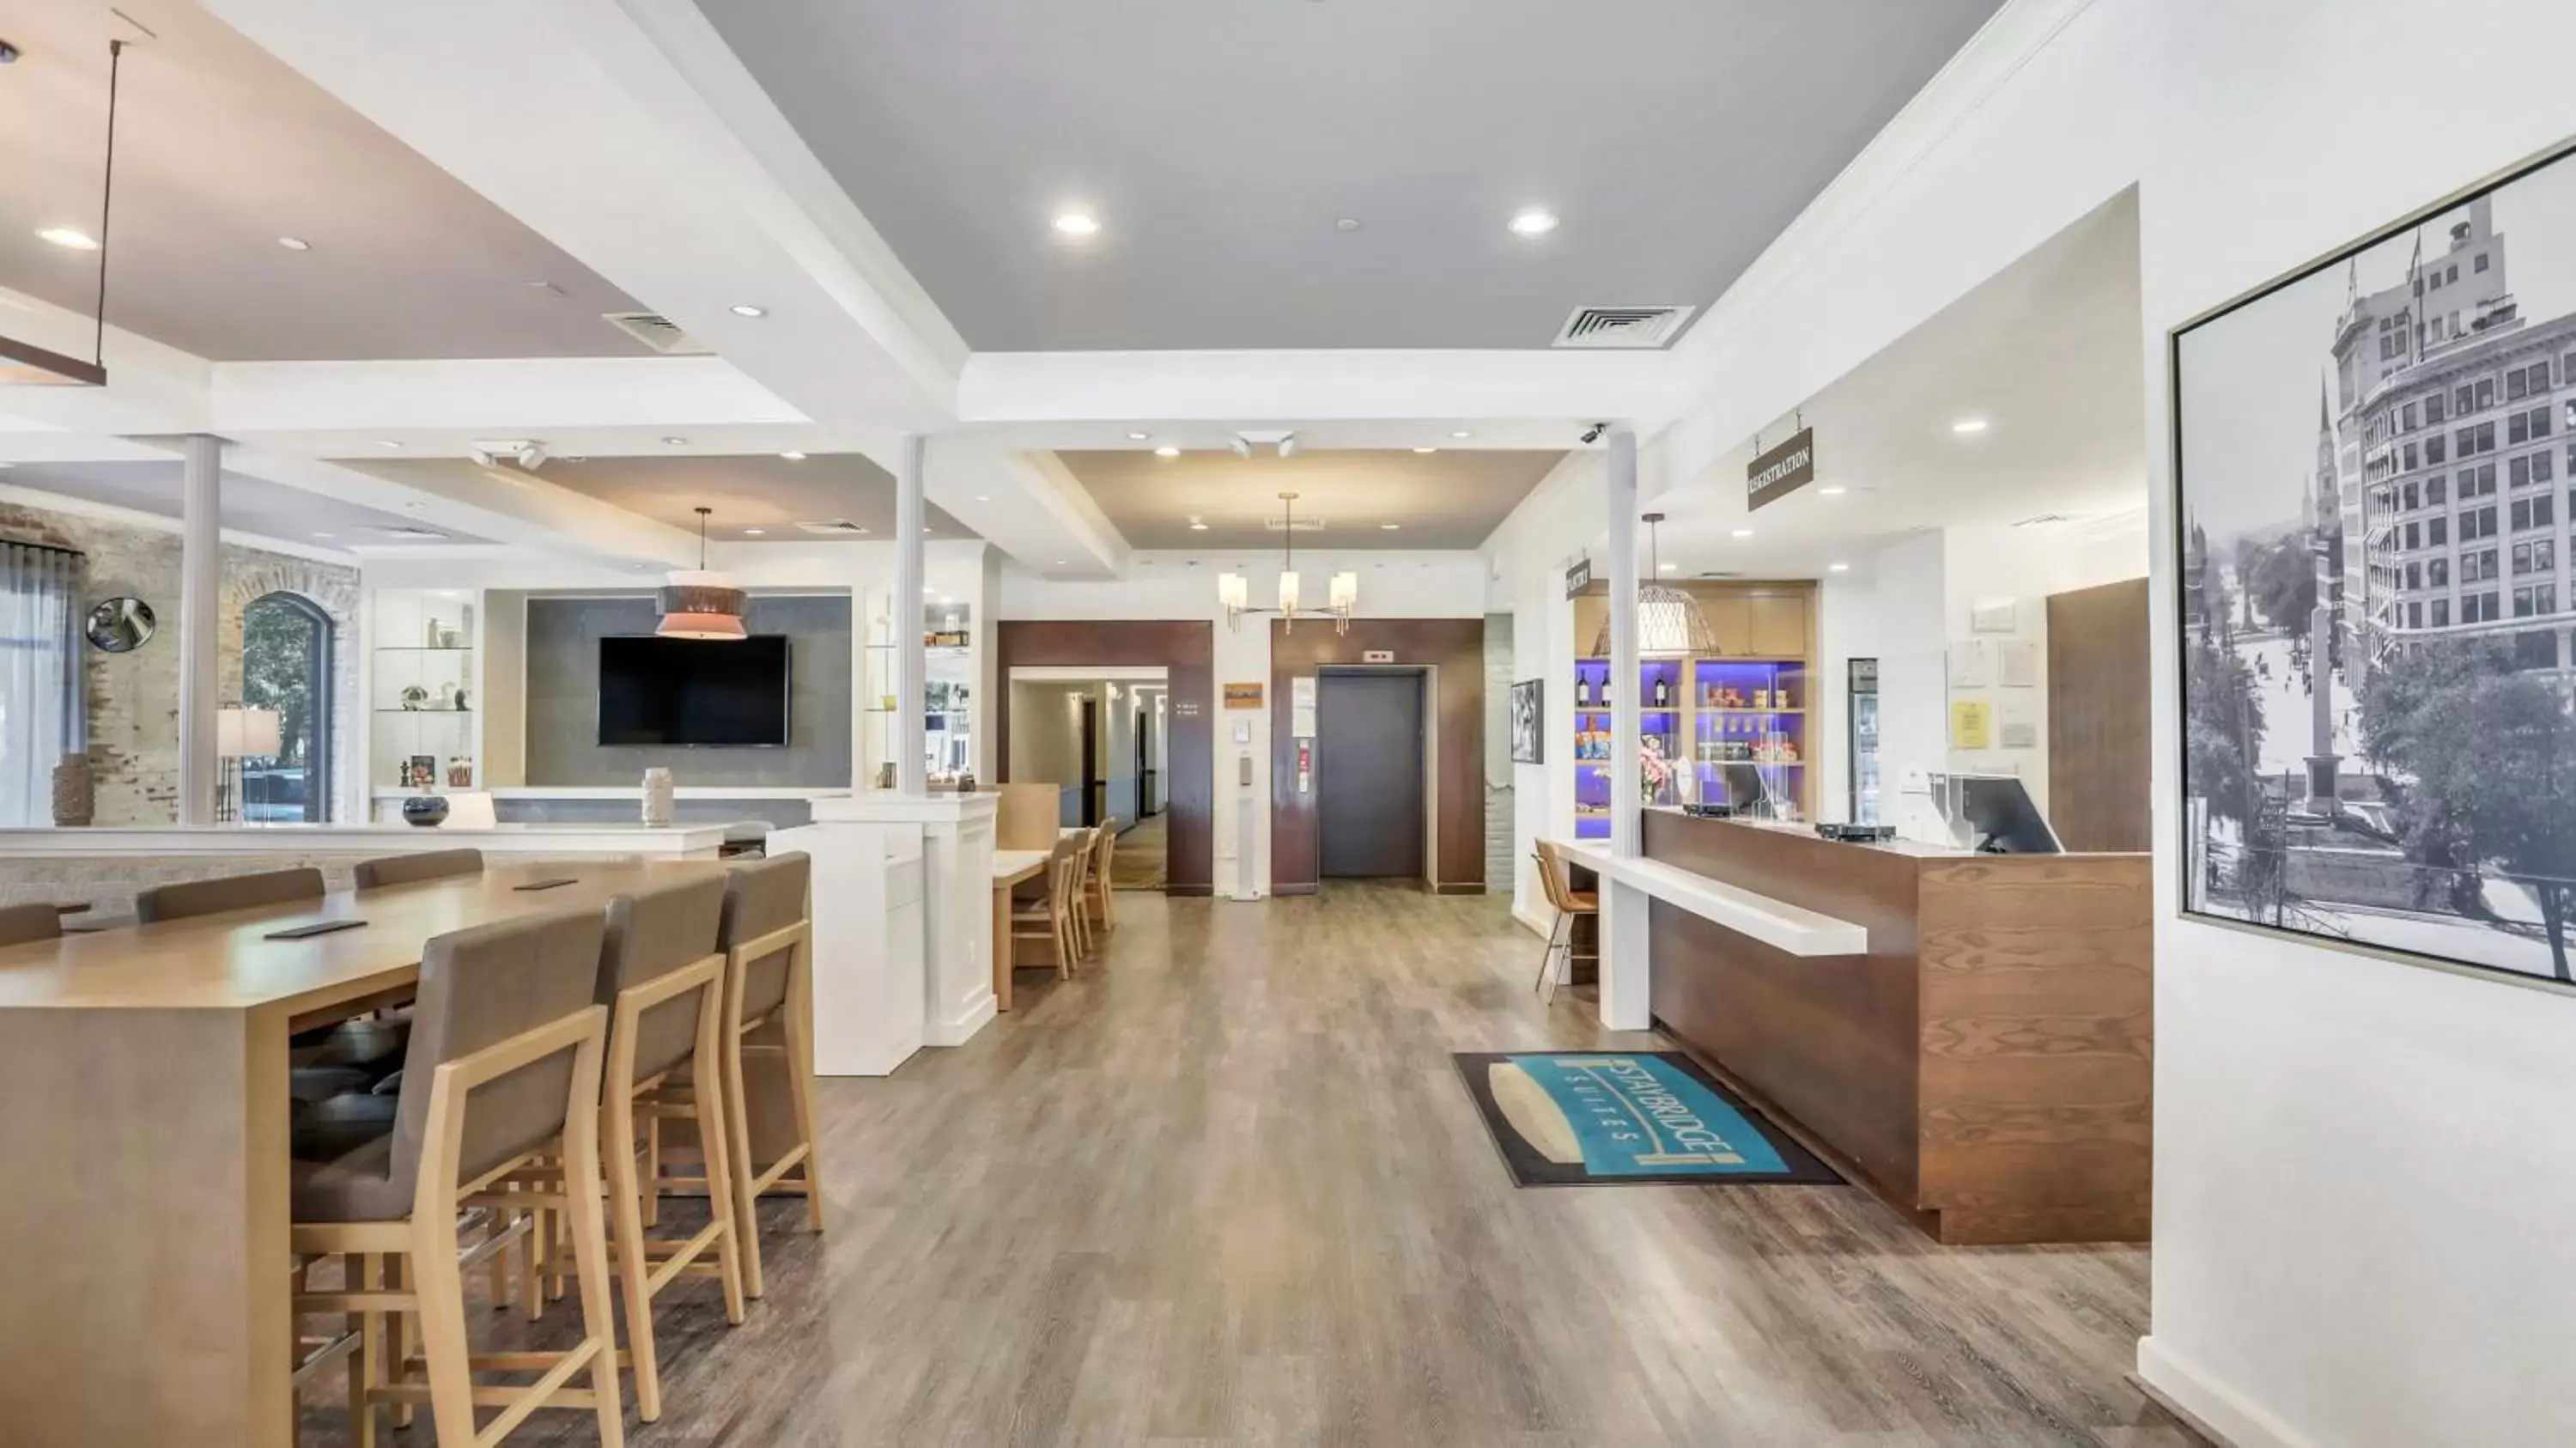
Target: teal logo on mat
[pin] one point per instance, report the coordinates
(1627, 1116)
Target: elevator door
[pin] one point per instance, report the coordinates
(1368, 775)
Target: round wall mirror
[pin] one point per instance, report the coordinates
(119, 625)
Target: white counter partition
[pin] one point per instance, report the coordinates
(871, 982)
(956, 847)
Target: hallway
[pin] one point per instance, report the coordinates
(1227, 1190)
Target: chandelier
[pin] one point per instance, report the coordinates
(1669, 623)
(1343, 591)
(697, 604)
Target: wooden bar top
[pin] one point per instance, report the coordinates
(224, 962)
(1987, 1064)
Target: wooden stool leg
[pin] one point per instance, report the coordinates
(634, 1265)
(1545, 983)
(716, 1146)
(800, 1066)
(440, 1290)
(590, 1263)
(365, 1365)
(398, 1273)
(534, 1249)
(653, 1167)
(735, 1121)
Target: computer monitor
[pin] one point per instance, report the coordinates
(1745, 789)
(2003, 818)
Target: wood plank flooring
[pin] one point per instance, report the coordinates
(1226, 1189)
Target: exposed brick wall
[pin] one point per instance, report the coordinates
(133, 698)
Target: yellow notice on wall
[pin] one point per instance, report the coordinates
(1970, 723)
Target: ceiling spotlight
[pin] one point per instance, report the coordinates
(981, 498)
(1533, 221)
(1970, 426)
(1669, 567)
(1462, 434)
(745, 309)
(325, 535)
(531, 455)
(1832, 490)
(294, 243)
(1197, 526)
(1077, 223)
(1426, 449)
(70, 236)
(1138, 436)
(1347, 223)
(675, 442)
(1743, 532)
(480, 458)
(793, 457)
(754, 532)
(1288, 446)
(1389, 527)
(1838, 567)
(387, 442)
(415, 505)
(1167, 451)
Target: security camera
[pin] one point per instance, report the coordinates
(532, 456)
(1593, 433)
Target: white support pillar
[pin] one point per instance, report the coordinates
(912, 665)
(201, 572)
(1626, 1001)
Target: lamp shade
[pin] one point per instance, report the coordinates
(1669, 626)
(700, 605)
(1288, 591)
(1346, 592)
(1233, 591)
(245, 733)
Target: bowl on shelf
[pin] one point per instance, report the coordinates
(424, 809)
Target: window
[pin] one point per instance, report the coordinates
(2451, 274)
(2532, 512)
(286, 666)
(2478, 567)
(2437, 450)
(2414, 615)
(2437, 279)
(2406, 417)
(2486, 393)
(2460, 400)
(2414, 458)
(2441, 613)
(2478, 608)
(2540, 598)
(2524, 426)
(2475, 440)
(2412, 540)
(2413, 499)
(2478, 523)
(2436, 490)
(2437, 574)
(2414, 576)
(2434, 412)
(2531, 381)
(2481, 262)
(2478, 482)
(2436, 531)
(40, 659)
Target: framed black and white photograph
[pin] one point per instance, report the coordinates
(2376, 465)
(1529, 729)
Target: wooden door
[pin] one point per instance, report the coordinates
(2099, 673)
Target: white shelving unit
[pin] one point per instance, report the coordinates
(424, 688)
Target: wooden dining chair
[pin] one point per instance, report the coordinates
(284, 889)
(1104, 850)
(20, 924)
(1048, 915)
(1562, 898)
(1076, 901)
(507, 1051)
(410, 869)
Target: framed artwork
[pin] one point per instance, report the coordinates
(420, 772)
(1529, 722)
(2375, 468)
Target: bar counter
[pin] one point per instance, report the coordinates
(1986, 1065)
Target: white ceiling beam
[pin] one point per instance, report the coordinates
(1029, 505)
(1000, 388)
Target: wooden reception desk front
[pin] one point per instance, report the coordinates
(1987, 1065)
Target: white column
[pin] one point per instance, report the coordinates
(911, 664)
(201, 572)
(1625, 828)
(1626, 1000)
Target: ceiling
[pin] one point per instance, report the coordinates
(250, 505)
(1448, 499)
(1219, 145)
(221, 150)
(765, 491)
(2048, 352)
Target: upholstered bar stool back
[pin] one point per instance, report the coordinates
(767, 937)
(761, 901)
(281, 888)
(427, 865)
(22, 923)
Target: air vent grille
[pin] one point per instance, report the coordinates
(1640, 328)
(2041, 520)
(1279, 524)
(834, 527)
(659, 333)
(406, 530)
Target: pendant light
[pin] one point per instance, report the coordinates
(697, 604)
(1669, 623)
(24, 364)
(1234, 591)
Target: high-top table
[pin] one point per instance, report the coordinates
(143, 1149)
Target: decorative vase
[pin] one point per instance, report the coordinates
(657, 797)
(424, 809)
(75, 791)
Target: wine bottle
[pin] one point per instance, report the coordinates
(1663, 693)
(1582, 689)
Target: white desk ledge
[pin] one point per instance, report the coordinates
(1775, 923)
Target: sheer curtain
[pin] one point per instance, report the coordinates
(40, 696)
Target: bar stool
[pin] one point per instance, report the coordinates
(767, 936)
(20, 924)
(506, 1056)
(1567, 903)
(410, 869)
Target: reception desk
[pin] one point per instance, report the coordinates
(1985, 1061)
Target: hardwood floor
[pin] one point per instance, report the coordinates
(1227, 1189)
(1141, 857)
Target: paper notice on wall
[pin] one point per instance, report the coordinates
(2016, 727)
(1971, 723)
(2017, 664)
(1994, 615)
(1970, 667)
(1301, 707)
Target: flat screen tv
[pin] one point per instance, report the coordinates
(692, 691)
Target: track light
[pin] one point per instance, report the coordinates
(531, 456)
(481, 458)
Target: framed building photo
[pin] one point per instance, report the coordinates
(1529, 722)
(2376, 466)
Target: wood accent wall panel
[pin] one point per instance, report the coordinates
(1186, 650)
(2100, 670)
(1454, 646)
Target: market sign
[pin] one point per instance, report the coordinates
(1781, 471)
(1578, 577)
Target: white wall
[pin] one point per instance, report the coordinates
(2364, 1170)
(1847, 628)
(1183, 586)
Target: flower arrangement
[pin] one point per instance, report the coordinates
(1654, 771)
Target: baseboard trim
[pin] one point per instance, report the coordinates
(1198, 892)
(1460, 887)
(977, 1015)
(1535, 923)
(2211, 1408)
(1308, 888)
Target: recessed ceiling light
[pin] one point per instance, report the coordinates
(1138, 436)
(1970, 426)
(1533, 221)
(675, 442)
(929, 530)
(70, 236)
(1669, 567)
(1743, 532)
(1060, 563)
(755, 532)
(1462, 434)
(1389, 527)
(1832, 490)
(1167, 451)
(415, 506)
(793, 457)
(1077, 223)
(981, 498)
(746, 309)
(294, 243)
(1426, 449)
(387, 442)
(324, 535)
(1838, 567)
(1347, 223)
(1197, 524)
